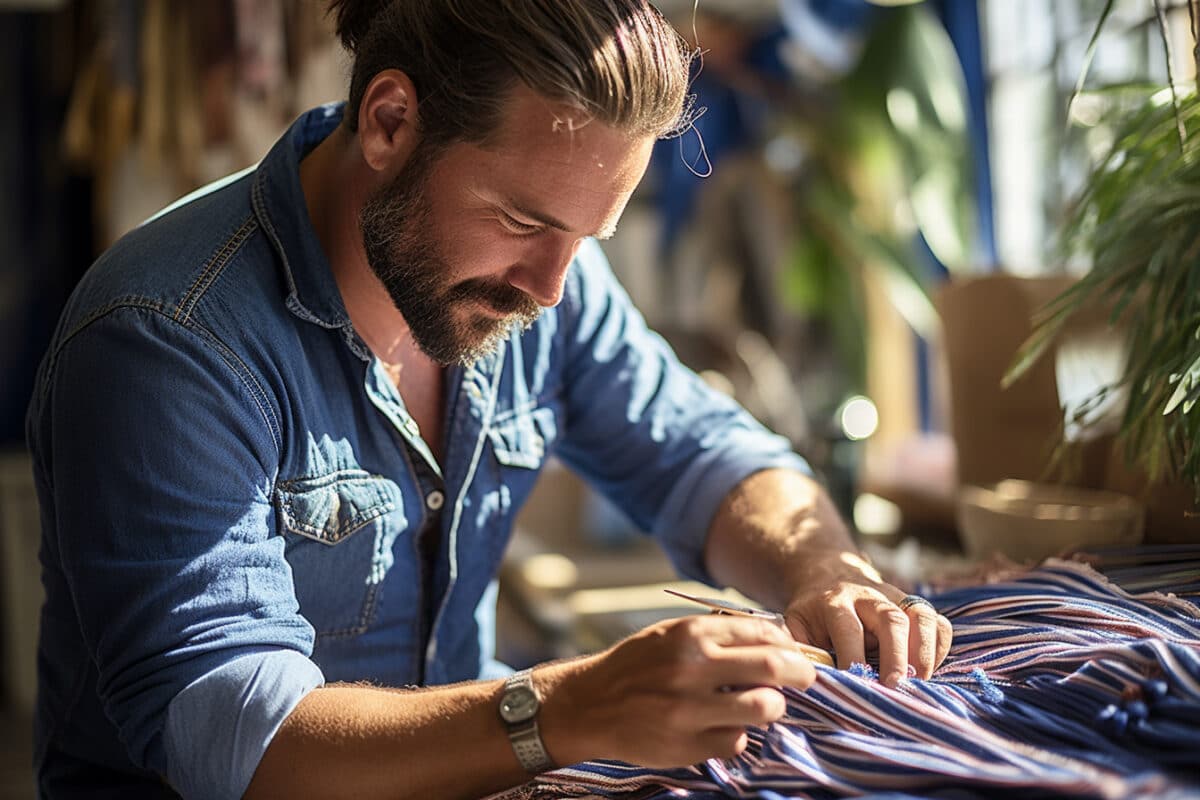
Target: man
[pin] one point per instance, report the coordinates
(283, 429)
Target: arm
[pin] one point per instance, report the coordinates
(162, 529)
(730, 502)
(778, 538)
(156, 459)
(654, 699)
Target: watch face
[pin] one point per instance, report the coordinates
(518, 705)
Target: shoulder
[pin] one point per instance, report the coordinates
(138, 308)
(165, 263)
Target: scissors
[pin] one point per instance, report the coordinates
(722, 606)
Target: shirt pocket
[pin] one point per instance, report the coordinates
(339, 530)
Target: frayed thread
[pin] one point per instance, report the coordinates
(991, 692)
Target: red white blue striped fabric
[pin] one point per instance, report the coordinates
(1059, 684)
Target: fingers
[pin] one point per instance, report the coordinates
(945, 639)
(862, 616)
(732, 631)
(723, 742)
(663, 697)
(763, 665)
(741, 708)
(922, 639)
(890, 625)
(846, 633)
(736, 651)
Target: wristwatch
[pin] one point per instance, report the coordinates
(518, 708)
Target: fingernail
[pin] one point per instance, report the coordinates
(893, 679)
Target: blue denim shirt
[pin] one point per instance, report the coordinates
(235, 500)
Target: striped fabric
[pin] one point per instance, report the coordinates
(1059, 684)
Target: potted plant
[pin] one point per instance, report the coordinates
(1138, 221)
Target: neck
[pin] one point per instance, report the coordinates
(336, 184)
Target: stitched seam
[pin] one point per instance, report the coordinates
(236, 365)
(366, 614)
(260, 209)
(213, 268)
(249, 382)
(459, 505)
(323, 481)
(294, 524)
(131, 301)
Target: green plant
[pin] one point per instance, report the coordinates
(890, 166)
(1138, 219)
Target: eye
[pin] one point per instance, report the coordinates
(518, 227)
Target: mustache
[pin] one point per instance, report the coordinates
(503, 298)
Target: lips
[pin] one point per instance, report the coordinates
(491, 310)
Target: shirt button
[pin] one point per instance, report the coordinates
(434, 500)
(410, 427)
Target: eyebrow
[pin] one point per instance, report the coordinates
(545, 219)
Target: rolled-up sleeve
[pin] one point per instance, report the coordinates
(160, 453)
(646, 430)
(238, 706)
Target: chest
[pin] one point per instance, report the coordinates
(422, 386)
(352, 502)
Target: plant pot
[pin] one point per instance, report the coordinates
(1029, 521)
(1172, 515)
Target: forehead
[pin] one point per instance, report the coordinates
(541, 144)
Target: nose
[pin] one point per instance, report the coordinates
(543, 272)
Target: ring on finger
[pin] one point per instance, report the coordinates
(910, 600)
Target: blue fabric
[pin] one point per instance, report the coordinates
(232, 489)
(1059, 684)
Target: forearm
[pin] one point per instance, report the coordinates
(776, 529)
(778, 538)
(367, 742)
(673, 694)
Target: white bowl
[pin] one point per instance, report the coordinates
(1032, 521)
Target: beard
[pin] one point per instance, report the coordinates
(403, 252)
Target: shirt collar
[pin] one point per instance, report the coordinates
(280, 207)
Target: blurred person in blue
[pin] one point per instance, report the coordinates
(284, 427)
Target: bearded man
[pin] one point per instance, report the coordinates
(284, 428)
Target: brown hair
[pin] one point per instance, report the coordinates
(616, 61)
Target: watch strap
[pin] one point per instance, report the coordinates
(525, 737)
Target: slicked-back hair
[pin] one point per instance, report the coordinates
(615, 61)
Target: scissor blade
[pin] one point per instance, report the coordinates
(721, 605)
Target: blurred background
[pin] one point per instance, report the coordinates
(852, 241)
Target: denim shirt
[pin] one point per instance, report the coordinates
(237, 508)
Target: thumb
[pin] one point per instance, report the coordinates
(805, 641)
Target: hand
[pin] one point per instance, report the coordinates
(675, 693)
(842, 602)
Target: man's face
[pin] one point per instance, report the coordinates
(470, 242)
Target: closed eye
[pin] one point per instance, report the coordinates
(518, 227)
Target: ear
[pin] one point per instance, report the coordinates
(387, 121)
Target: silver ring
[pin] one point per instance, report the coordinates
(911, 600)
